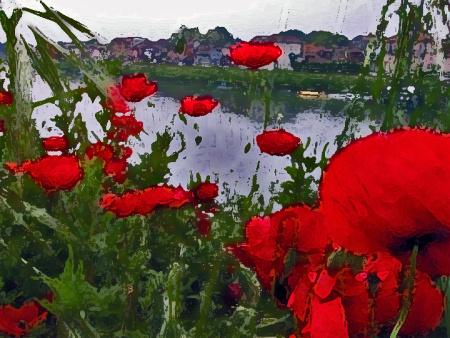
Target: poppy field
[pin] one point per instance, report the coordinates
(93, 244)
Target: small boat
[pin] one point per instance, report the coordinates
(306, 94)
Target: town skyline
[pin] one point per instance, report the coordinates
(301, 51)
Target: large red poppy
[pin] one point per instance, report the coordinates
(6, 98)
(55, 143)
(277, 142)
(254, 54)
(388, 192)
(19, 321)
(198, 105)
(143, 202)
(51, 172)
(136, 87)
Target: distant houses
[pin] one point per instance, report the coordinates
(300, 51)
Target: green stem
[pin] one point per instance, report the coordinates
(407, 298)
(207, 299)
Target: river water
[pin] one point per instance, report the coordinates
(225, 132)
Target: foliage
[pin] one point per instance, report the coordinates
(156, 274)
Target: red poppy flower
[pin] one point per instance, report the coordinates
(207, 191)
(115, 101)
(374, 295)
(198, 105)
(426, 309)
(125, 152)
(277, 142)
(371, 295)
(254, 54)
(19, 321)
(301, 282)
(117, 169)
(269, 238)
(136, 87)
(388, 192)
(260, 251)
(55, 143)
(126, 125)
(51, 172)
(100, 150)
(143, 202)
(300, 227)
(203, 223)
(233, 294)
(6, 98)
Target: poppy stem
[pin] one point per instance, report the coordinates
(407, 297)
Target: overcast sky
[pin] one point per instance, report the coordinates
(243, 18)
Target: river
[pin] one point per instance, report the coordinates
(225, 132)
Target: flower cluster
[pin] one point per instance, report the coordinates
(379, 199)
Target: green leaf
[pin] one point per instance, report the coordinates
(154, 167)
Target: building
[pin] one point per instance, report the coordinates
(291, 46)
(318, 54)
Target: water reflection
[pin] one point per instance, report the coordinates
(224, 133)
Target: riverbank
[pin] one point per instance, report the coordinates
(232, 76)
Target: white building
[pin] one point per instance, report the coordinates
(289, 50)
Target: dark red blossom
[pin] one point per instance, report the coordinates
(277, 142)
(117, 169)
(2, 126)
(6, 98)
(136, 87)
(254, 54)
(55, 143)
(115, 102)
(206, 191)
(390, 191)
(51, 172)
(203, 223)
(143, 202)
(233, 294)
(198, 105)
(19, 321)
(100, 150)
(125, 126)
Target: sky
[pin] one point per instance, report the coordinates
(243, 18)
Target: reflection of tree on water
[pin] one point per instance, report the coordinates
(234, 99)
